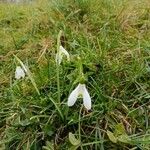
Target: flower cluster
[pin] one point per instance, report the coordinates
(79, 92)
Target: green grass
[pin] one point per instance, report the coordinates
(112, 40)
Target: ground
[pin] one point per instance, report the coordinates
(109, 44)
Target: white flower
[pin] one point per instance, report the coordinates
(60, 54)
(80, 90)
(19, 73)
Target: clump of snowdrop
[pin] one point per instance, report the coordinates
(61, 52)
(19, 73)
(80, 90)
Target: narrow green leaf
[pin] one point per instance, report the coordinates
(119, 130)
(56, 106)
(124, 138)
(74, 147)
(73, 140)
(111, 137)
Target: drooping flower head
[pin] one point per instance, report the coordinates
(60, 55)
(80, 90)
(19, 73)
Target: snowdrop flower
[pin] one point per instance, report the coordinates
(19, 73)
(60, 54)
(80, 90)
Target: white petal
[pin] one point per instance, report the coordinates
(19, 73)
(73, 96)
(62, 50)
(86, 99)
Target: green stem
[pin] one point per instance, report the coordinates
(91, 143)
(58, 66)
(58, 83)
(81, 74)
(80, 67)
(58, 40)
(79, 126)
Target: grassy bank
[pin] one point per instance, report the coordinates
(111, 40)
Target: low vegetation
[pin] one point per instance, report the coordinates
(108, 43)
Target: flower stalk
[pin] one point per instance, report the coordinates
(58, 67)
